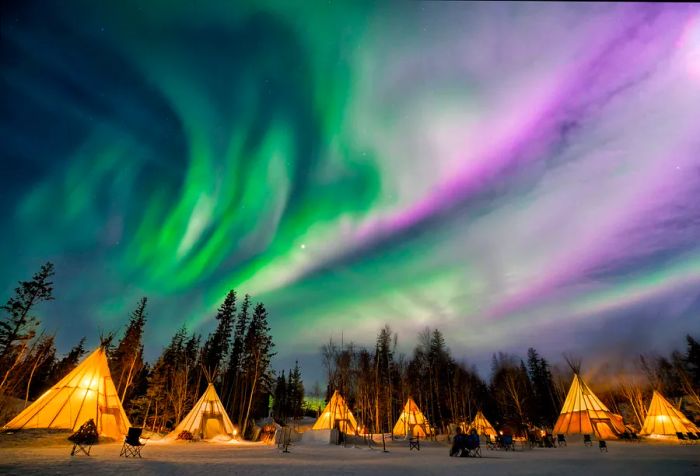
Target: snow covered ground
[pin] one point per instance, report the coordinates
(210, 459)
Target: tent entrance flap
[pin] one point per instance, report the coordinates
(602, 429)
(212, 427)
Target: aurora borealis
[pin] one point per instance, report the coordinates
(516, 175)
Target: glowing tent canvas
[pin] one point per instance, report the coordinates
(411, 421)
(337, 414)
(665, 419)
(584, 413)
(86, 392)
(482, 425)
(207, 419)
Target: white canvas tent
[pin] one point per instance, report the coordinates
(87, 392)
(665, 419)
(336, 414)
(482, 425)
(584, 413)
(207, 419)
(411, 422)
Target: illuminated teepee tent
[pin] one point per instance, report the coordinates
(207, 419)
(336, 414)
(584, 413)
(665, 419)
(87, 392)
(411, 421)
(482, 425)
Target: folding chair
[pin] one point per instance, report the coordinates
(549, 441)
(507, 443)
(473, 446)
(414, 443)
(80, 447)
(602, 446)
(132, 443)
(587, 440)
(84, 438)
(561, 440)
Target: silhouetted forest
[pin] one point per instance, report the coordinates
(520, 392)
(236, 356)
(376, 381)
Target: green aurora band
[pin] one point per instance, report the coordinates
(353, 165)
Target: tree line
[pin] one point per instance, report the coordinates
(376, 381)
(520, 393)
(235, 357)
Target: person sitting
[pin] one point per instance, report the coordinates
(473, 444)
(459, 444)
(548, 440)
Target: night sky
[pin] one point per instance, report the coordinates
(516, 175)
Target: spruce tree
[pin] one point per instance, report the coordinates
(42, 360)
(17, 325)
(439, 361)
(257, 354)
(70, 361)
(280, 394)
(172, 384)
(692, 360)
(295, 393)
(126, 361)
(544, 408)
(383, 356)
(232, 393)
(216, 347)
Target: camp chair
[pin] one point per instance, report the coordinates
(548, 441)
(473, 446)
(602, 446)
(414, 443)
(587, 440)
(534, 440)
(84, 438)
(459, 445)
(561, 440)
(534, 443)
(132, 443)
(507, 442)
(490, 443)
(79, 446)
(682, 439)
